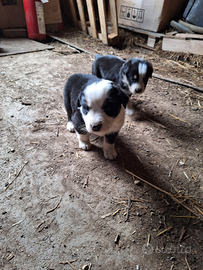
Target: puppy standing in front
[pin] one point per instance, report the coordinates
(95, 106)
(132, 75)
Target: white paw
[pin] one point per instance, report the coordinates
(84, 145)
(84, 142)
(70, 127)
(129, 111)
(129, 108)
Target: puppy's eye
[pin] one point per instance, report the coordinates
(135, 77)
(112, 109)
(85, 109)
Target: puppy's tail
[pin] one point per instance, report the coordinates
(95, 66)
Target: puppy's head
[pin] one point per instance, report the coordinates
(135, 74)
(102, 106)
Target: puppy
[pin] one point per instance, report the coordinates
(132, 75)
(95, 106)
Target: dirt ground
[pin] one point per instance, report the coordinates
(63, 208)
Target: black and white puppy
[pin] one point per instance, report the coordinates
(95, 106)
(132, 75)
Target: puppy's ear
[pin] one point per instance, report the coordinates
(149, 69)
(122, 96)
(125, 67)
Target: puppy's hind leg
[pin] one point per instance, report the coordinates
(84, 142)
(108, 146)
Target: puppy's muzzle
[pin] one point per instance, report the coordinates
(96, 127)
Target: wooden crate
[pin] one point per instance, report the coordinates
(89, 26)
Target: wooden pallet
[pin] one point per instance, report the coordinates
(90, 26)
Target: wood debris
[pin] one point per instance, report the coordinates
(116, 212)
(10, 257)
(69, 263)
(117, 238)
(106, 215)
(46, 225)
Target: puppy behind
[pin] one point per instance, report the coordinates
(132, 75)
(95, 106)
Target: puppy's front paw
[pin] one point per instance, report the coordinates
(110, 154)
(129, 111)
(84, 142)
(84, 145)
(70, 126)
(129, 108)
(109, 151)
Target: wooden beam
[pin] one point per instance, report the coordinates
(73, 12)
(145, 32)
(82, 15)
(102, 19)
(113, 37)
(92, 20)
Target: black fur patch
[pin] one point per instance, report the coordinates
(110, 138)
(115, 98)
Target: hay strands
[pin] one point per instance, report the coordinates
(165, 192)
(169, 228)
(26, 162)
(51, 210)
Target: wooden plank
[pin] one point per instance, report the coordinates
(92, 20)
(113, 39)
(102, 19)
(151, 41)
(82, 15)
(183, 46)
(113, 16)
(73, 13)
(186, 36)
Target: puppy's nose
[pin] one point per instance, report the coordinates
(96, 127)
